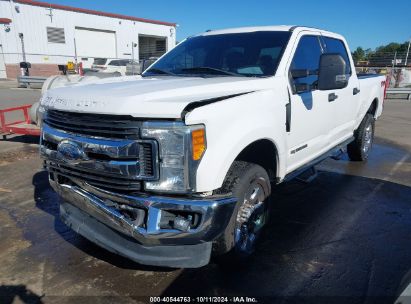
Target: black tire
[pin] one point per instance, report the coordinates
(251, 185)
(360, 148)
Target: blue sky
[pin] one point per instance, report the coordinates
(364, 23)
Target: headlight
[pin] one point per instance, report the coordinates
(40, 114)
(181, 148)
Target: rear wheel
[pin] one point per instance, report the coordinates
(250, 184)
(359, 149)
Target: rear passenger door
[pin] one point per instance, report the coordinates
(347, 103)
(311, 121)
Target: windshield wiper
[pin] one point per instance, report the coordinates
(160, 71)
(209, 69)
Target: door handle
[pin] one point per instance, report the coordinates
(332, 97)
(355, 91)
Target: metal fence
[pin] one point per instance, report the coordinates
(387, 59)
(398, 77)
(396, 65)
(30, 81)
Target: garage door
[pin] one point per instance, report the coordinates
(95, 43)
(151, 46)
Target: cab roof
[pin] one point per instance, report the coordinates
(284, 28)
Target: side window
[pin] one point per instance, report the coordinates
(123, 62)
(333, 45)
(307, 57)
(188, 59)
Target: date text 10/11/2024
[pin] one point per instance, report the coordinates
(239, 299)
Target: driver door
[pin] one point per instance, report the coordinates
(311, 121)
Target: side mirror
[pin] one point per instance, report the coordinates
(302, 73)
(302, 87)
(331, 74)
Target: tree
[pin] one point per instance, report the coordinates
(358, 54)
(368, 52)
(392, 48)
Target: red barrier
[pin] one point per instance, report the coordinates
(386, 85)
(23, 127)
(80, 69)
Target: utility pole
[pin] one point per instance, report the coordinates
(133, 45)
(75, 57)
(408, 51)
(23, 50)
(24, 66)
(75, 51)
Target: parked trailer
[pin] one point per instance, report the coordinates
(22, 127)
(29, 126)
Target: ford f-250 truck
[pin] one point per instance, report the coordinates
(177, 166)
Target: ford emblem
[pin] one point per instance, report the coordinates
(70, 152)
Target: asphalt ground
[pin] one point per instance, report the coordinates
(343, 238)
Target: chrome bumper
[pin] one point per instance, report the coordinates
(215, 214)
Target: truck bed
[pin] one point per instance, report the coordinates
(365, 75)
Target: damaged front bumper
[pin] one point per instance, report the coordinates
(141, 227)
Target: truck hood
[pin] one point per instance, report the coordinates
(160, 97)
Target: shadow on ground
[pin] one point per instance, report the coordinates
(26, 139)
(18, 294)
(339, 239)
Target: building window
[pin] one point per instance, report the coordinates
(55, 35)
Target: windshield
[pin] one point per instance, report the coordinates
(123, 62)
(254, 54)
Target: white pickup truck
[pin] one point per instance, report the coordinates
(178, 165)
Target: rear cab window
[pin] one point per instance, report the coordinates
(334, 45)
(100, 61)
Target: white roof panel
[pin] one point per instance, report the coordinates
(247, 29)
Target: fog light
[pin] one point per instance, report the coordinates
(182, 224)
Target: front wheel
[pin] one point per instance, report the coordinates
(359, 149)
(250, 184)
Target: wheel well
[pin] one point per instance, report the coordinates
(261, 152)
(373, 108)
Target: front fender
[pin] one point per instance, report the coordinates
(233, 124)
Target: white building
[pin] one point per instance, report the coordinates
(46, 34)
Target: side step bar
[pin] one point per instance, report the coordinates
(308, 176)
(335, 153)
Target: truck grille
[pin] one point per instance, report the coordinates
(100, 180)
(111, 154)
(146, 159)
(100, 125)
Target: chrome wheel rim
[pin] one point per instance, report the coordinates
(367, 138)
(251, 217)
